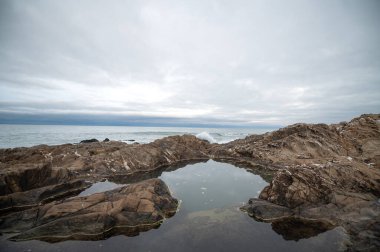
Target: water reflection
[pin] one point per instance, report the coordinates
(296, 229)
(100, 187)
(212, 185)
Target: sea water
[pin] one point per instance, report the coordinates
(30, 135)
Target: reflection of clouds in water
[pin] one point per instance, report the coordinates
(100, 187)
(218, 184)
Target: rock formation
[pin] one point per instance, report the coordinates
(127, 210)
(329, 173)
(320, 175)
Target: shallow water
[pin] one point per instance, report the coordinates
(208, 219)
(99, 187)
(212, 185)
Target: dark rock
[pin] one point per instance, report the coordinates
(93, 140)
(106, 140)
(298, 228)
(263, 210)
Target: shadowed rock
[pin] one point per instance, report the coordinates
(296, 229)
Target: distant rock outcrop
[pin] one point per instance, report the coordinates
(93, 140)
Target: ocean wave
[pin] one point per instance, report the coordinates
(206, 136)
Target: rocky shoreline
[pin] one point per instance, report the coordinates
(320, 176)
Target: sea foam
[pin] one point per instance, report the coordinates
(206, 136)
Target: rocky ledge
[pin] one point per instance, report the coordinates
(329, 174)
(127, 210)
(320, 175)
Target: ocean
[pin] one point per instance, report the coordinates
(30, 135)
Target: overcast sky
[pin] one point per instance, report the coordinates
(223, 62)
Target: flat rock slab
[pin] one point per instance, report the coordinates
(127, 210)
(23, 200)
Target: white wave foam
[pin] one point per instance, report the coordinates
(206, 136)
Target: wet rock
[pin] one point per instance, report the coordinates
(93, 140)
(106, 140)
(263, 210)
(127, 210)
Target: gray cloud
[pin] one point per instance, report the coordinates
(230, 62)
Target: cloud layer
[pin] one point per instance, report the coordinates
(224, 62)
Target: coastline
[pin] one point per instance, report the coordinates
(325, 174)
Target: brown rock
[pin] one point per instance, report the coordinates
(23, 200)
(99, 215)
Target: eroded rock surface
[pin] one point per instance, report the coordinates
(127, 210)
(23, 169)
(337, 181)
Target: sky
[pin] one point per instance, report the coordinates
(206, 62)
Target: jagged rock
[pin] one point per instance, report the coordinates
(46, 165)
(314, 143)
(127, 210)
(19, 177)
